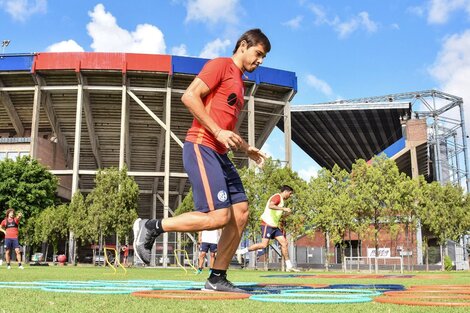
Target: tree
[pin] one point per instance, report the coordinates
(374, 195)
(26, 186)
(49, 226)
(332, 212)
(445, 214)
(113, 202)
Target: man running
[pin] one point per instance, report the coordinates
(270, 226)
(215, 98)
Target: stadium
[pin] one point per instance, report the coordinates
(81, 112)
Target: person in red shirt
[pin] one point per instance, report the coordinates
(9, 227)
(125, 254)
(215, 99)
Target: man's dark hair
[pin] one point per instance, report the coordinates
(287, 187)
(254, 37)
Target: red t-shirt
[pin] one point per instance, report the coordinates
(11, 232)
(276, 199)
(223, 103)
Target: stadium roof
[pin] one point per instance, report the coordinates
(146, 83)
(341, 132)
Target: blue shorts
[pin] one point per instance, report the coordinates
(11, 243)
(205, 247)
(214, 179)
(271, 232)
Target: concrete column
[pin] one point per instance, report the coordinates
(76, 161)
(35, 122)
(166, 181)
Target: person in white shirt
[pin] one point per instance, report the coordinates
(208, 240)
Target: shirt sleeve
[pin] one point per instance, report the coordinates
(276, 199)
(213, 72)
(3, 224)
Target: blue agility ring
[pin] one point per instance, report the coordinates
(273, 289)
(381, 287)
(308, 299)
(346, 292)
(92, 291)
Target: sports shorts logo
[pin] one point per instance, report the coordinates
(222, 195)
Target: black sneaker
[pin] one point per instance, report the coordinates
(143, 240)
(222, 285)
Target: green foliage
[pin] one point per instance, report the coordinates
(448, 263)
(26, 186)
(445, 211)
(377, 191)
(50, 225)
(187, 205)
(113, 202)
(329, 197)
(81, 220)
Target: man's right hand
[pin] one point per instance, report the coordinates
(288, 210)
(229, 139)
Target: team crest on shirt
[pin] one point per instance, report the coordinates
(222, 196)
(232, 99)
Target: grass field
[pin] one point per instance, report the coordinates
(27, 300)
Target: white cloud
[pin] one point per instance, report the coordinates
(180, 50)
(308, 173)
(21, 10)
(361, 21)
(417, 10)
(319, 85)
(452, 69)
(319, 13)
(214, 48)
(213, 11)
(440, 10)
(344, 28)
(109, 37)
(395, 26)
(294, 23)
(65, 46)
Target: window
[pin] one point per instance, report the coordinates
(3, 156)
(13, 155)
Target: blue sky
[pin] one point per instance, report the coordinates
(338, 49)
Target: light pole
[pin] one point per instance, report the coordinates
(5, 44)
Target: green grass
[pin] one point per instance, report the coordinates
(25, 300)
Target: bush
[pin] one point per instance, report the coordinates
(448, 263)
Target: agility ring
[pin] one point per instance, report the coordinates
(190, 295)
(441, 287)
(310, 298)
(346, 292)
(403, 300)
(376, 287)
(277, 288)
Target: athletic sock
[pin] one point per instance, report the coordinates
(19, 264)
(217, 275)
(244, 250)
(288, 264)
(8, 264)
(155, 224)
